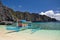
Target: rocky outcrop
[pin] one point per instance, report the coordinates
(7, 14)
(34, 17)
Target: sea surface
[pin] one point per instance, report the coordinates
(46, 25)
(40, 25)
(37, 31)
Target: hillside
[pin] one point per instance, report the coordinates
(8, 14)
(5, 13)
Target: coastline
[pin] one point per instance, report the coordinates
(26, 34)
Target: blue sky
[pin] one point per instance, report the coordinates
(32, 5)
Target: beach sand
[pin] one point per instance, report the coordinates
(28, 35)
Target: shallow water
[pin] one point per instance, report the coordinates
(46, 25)
(28, 35)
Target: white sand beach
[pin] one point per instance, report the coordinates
(26, 34)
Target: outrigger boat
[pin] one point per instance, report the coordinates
(22, 25)
(19, 25)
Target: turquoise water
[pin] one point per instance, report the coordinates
(46, 25)
(39, 25)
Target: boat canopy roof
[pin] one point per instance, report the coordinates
(22, 20)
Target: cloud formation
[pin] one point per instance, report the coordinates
(51, 14)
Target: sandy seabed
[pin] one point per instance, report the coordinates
(28, 35)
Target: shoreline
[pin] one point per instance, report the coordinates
(26, 35)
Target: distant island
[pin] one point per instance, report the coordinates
(8, 14)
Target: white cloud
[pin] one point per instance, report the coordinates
(51, 14)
